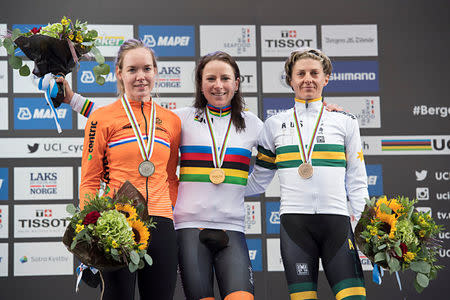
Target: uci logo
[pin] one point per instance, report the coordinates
(24, 113)
(149, 40)
(87, 77)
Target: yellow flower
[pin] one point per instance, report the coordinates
(140, 232)
(71, 36)
(409, 256)
(389, 219)
(373, 231)
(392, 204)
(64, 21)
(79, 39)
(114, 244)
(79, 228)
(422, 233)
(128, 210)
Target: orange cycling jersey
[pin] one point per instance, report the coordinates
(111, 154)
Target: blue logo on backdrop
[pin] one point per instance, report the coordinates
(3, 184)
(353, 76)
(273, 217)
(34, 113)
(23, 29)
(273, 106)
(255, 253)
(86, 79)
(375, 179)
(169, 40)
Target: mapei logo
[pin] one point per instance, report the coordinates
(33, 113)
(87, 77)
(375, 180)
(24, 113)
(169, 40)
(421, 175)
(166, 41)
(274, 217)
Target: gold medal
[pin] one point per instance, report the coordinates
(146, 168)
(217, 176)
(305, 170)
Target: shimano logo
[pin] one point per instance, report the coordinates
(166, 41)
(25, 114)
(354, 76)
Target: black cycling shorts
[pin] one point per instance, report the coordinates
(304, 239)
(227, 256)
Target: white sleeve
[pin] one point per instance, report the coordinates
(265, 167)
(355, 177)
(82, 105)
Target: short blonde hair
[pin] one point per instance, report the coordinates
(303, 53)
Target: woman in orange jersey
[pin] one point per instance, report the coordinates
(137, 140)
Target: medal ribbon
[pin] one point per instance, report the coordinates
(146, 149)
(217, 157)
(306, 156)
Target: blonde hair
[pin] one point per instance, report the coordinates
(303, 53)
(124, 48)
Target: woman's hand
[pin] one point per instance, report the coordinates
(67, 90)
(332, 107)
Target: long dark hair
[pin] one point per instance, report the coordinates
(237, 102)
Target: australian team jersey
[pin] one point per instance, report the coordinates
(337, 160)
(111, 153)
(202, 204)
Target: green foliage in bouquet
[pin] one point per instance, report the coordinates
(76, 33)
(114, 229)
(392, 234)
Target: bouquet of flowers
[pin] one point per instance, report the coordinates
(392, 234)
(55, 49)
(110, 233)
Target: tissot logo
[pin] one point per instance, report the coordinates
(40, 220)
(421, 175)
(280, 40)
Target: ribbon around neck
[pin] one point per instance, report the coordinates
(217, 157)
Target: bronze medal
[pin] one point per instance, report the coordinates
(217, 176)
(146, 168)
(305, 170)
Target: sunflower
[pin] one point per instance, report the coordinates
(140, 232)
(388, 220)
(128, 210)
(392, 204)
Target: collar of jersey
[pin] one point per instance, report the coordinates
(219, 111)
(138, 103)
(313, 104)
